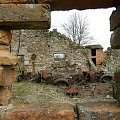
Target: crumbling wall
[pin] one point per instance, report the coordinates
(112, 60)
(44, 45)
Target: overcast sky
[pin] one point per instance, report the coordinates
(98, 21)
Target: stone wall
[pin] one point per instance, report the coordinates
(44, 45)
(112, 60)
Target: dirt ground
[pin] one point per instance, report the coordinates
(27, 92)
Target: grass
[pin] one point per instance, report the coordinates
(28, 92)
(40, 93)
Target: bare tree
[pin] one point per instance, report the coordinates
(77, 29)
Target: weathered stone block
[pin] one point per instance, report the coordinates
(115, 39)
(7, 58)
(5, 37)
(7, 75)
(115, 19)
(40, 112)
(24, 16)
(15, 1)
(80, 4)
(5, 95)
(98, 111)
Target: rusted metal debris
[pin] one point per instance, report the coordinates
(97, 90)
(29, 76)
(72, 83)
(76, 85)
(77, 79)
(47, 77)
(72, 91)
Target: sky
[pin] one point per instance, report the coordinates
(98, 19)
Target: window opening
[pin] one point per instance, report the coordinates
(93, 52)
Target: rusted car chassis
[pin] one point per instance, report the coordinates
(59, 79)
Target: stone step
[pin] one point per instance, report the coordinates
(24, 16)
(98, 111)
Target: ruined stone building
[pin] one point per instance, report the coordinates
(108, 60)
(50, 49)
(35, 14)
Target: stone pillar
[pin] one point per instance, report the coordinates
(115, 27)
(115, 44)
(7, 63)
(16, 16)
